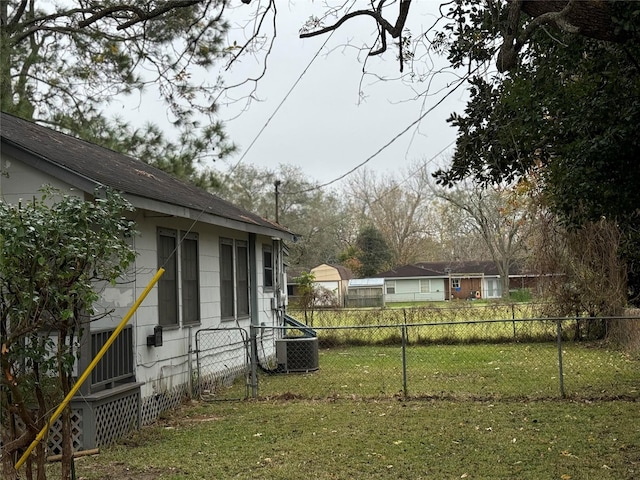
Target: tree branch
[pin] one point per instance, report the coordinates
(19, 12)
(384, 26)
(514, 41)
(139, 15)
(110, 11)
(394, 30)
(169, 6)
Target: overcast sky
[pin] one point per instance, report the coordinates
(323, 126)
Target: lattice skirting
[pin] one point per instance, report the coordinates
(108, 415)
(101, 419)
(54, 440)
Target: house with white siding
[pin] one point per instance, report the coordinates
(224, 270)
(439, 281)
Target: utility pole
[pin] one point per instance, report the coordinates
(276, 184)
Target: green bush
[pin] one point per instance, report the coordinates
(520, 295)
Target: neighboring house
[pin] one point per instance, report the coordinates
(224, 269)
(433, 281)
(334, 278)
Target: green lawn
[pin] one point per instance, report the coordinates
(345, 439)
(508, 371)
(474, 411)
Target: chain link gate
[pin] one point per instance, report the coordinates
(222, 356)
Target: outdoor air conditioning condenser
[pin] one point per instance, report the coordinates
(297, 354)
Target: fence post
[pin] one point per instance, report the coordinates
(189, 365)
(253, 360)
(404, 353)
(560, 371)
(513, 317)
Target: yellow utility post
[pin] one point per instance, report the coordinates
(87, 372)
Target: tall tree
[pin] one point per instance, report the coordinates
(499, 217)
(455, 234)
(550, 113)
(62, 63)
(399, 209)
(372, 252)
(312, 213)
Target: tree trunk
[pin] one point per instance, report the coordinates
(592, 18)
(67, 444)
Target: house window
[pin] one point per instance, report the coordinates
(227, 297)
(189, 279)
(242, 279)
(234, 278)
(168, 282)
(391, 287)
(117, 365)
(455, 283)
(425, 286)
(267, 264)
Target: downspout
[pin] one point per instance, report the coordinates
(254, 313)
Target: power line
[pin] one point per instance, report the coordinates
(389, 143)
(266, 124)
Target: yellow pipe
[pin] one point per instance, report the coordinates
(91, 366)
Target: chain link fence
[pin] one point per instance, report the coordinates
(222, 362)
(441, 353)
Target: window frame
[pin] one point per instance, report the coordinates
(227, 281)
(186, 239)
(168, 315)
(390, 287)
(268, 268)
(427, 282)
(242, 279)
(455, 283)
(235, 280)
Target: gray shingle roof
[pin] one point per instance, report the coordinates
(83, 164)
(443, 269)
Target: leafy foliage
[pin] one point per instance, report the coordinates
(569, 112)
(372, 252)
(62, 64)
(54, 249)
(312, 213)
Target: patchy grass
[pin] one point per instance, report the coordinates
(329, 439)
(474, 412)
(477, 371)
